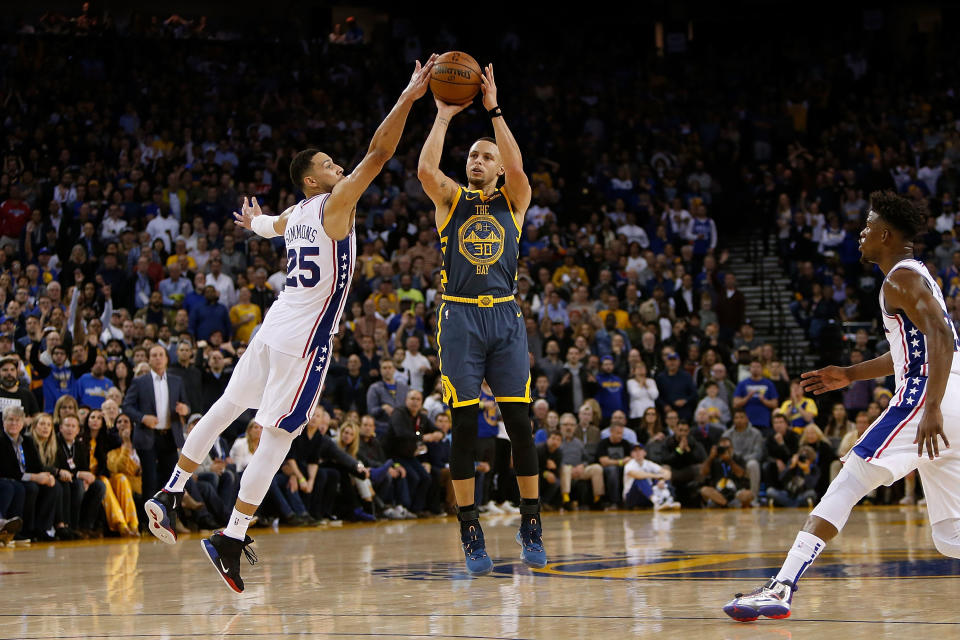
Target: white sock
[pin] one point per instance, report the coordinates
(178, 480)
(237, 527)
(804, 551)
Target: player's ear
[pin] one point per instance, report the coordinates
(501, 171)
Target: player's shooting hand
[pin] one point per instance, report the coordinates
(489, 88)
(420, 79)
(931, 426)
(445, 110)
(823, 380)
(249, 211)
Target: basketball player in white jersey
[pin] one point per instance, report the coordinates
(282, 371)
(925, 408)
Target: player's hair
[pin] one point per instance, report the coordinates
(485, 139)
(300, 165)
(904, 215)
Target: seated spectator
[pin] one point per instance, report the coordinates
(646, 483)
(797, 483)
(550, 459)
(716, 409)
(83, 492)
(748, 445)
(348, 440)
(619, 418)
(798, 409)
(684, 457)
(576, 465)
(125, 475)
(781, 445)
(405, 441)
(838, 424)
(386, 396)
(677, 390)
(813, 437)
(388, 477)
(707, 430)
(318, 485)
(612, 453)
(20, 462)
(725, 478)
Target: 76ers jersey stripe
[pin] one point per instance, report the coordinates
(908, 345)
(319, 271)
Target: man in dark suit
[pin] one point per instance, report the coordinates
(157, 402)
(686, 300)
(37, 496)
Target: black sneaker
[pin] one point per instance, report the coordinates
(224, 553)
(161, 513)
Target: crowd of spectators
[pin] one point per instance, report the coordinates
(120, 259)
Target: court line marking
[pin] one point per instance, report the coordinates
(428, 615)
(274, 634)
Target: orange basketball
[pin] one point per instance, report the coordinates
(455, 78)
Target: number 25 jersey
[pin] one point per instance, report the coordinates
(319, 271)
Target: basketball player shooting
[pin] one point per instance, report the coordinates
(480, 330)
(925, 407)
(282, 370)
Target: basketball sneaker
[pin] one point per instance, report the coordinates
(530, 537)
(474, 547)
(772, 600)
(224, 554)
(9, 528)
(161, 512)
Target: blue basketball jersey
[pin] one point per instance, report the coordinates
(480, 242)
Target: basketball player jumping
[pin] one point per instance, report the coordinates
(282, 371)
(480, 330)
(925, 358)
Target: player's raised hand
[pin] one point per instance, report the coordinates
(928, 431)
(824, 380)
(420, 79)
(489, 88)
(249, 211)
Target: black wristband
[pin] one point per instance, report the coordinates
(495, 113)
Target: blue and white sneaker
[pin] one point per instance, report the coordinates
(530, 537)
(224, 553)
(772, 600)
(474, 547)
(161, 511)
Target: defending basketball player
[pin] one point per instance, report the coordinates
(282, 371)
(925, 407)
(480, 331)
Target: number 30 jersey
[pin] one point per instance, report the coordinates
(319, 272)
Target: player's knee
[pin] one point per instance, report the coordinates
(464, 440)
(516, 420)
(946, 537)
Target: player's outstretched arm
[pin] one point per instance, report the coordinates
(252, 217)
(908, 291)
(832, 378)
(340, 206)
(515, 181)
(438, 187)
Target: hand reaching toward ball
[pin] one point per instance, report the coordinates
(420, 79)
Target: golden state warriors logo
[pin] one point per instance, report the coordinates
(481, 241)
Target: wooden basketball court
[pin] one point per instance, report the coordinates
(612, 575)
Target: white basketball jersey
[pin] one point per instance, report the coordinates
(908, 345)
(319, 272)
